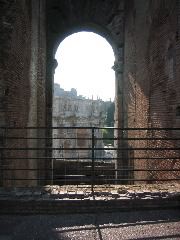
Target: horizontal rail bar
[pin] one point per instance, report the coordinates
(50, 138)
(120, 149)
(142, 170)
(89, 158)
(77, 127)
(117, 180)
(134, 139)
(75, 138)
(110, 170)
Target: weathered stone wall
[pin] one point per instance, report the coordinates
(75, 112)
(21, 83)
(15, 60)
(15, 63)
(151, 86)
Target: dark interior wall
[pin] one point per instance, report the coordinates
(22, 80)
(162, 64)
(15, 68)
(164, 79)
(150, 77)
(176, 55)
(136, 77)
(151, 82)
(22, 62)
(15, 61)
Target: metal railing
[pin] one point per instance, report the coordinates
(88, 155)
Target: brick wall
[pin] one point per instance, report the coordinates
(15, 62)
(16, 70)
(151, 74)
(22, 83)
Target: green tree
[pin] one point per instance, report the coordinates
(110, 115)
(109, 133)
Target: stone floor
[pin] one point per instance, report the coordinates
(134, 225)
(102, 192)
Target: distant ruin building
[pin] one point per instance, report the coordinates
(58, 91)
(70, 110)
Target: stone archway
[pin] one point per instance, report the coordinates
(106, 18)
(147, 86)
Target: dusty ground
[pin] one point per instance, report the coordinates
(101, 191)
(141, 225)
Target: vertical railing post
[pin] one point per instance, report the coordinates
(92, 156)
(1, 167)
(52, 171)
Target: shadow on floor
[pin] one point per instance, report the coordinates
(142, 225)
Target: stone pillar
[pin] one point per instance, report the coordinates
(36, 116)
(120, 116)
(41, 90)
(50, 69)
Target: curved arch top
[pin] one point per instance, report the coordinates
(85, 28)
(104, 17)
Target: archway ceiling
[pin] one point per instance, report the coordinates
(65, 17)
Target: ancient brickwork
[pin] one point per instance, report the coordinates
(22, 63)
(15, 62)
(150, 77)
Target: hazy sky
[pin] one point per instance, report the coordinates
(85, 63)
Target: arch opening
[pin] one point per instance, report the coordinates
(84, 95)
(85, 61)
